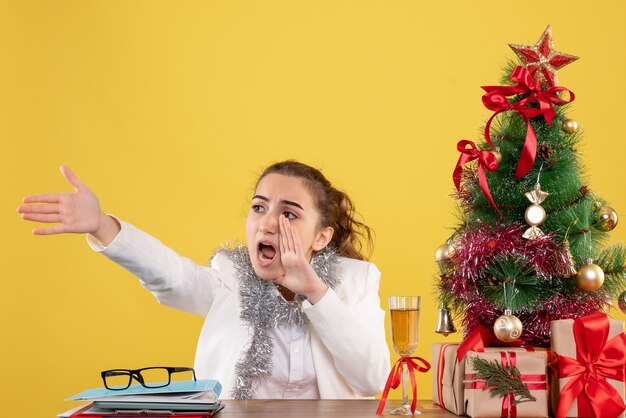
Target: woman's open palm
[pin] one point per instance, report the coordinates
(77, 212)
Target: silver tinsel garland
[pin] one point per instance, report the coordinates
(263, 308)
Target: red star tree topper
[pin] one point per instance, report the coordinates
(542, 60)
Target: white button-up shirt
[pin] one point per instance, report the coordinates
(293, 374)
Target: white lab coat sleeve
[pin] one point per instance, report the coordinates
(352, 328)
(174, 280)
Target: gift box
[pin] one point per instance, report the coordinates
(448, 378)
(532, 365)
(591, 353)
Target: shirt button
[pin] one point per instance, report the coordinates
(296, 350)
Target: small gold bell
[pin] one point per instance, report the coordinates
(445, 325)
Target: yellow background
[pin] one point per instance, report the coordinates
(169, 110)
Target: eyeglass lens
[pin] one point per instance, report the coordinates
(155, 377)
(117, 379)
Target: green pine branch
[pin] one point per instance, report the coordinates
(508, 68)
(611, 260)
(502, 379)
(510, 282)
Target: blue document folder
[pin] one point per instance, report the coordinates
(206, 390)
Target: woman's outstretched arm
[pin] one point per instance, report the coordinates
(176, 281)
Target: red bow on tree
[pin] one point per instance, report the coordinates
(596, 360)
(496, 100)
(486, 160)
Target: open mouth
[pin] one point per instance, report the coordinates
(267, 253)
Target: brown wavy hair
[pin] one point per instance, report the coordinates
(336, 209)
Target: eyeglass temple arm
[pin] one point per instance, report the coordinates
(185, 369)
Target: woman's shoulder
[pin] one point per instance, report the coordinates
(353, 268)
(358, 279)
(220, 260)
(223, 261)
(228, 254)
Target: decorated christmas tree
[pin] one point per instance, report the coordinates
(531, 243)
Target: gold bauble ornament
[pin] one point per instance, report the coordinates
(570, 126)
(444, 252)
(621, 302)
(590, 276)
(498, 155)
(508, 327)
(605, 219)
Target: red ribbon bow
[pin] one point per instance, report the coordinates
(596, 359)
(476, 341)
(395, 378)
(480, 338)
(486, 160)
(496, 100)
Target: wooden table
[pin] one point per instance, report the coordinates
(319, 408)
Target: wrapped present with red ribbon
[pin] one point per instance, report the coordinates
(448, 375)
(532, 366)
(591, 355)
(448, 389)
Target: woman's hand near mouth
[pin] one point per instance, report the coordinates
(299, 276)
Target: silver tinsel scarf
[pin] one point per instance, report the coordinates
(263, 308)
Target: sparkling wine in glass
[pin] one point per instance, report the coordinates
(405, 318)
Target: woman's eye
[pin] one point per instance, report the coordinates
(257, 208)
(290, 215)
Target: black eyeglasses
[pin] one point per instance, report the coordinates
(148, 377)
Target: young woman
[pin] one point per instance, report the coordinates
(296, 314)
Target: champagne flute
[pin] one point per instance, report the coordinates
(405, 317)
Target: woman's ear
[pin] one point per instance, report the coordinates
(323, 238)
